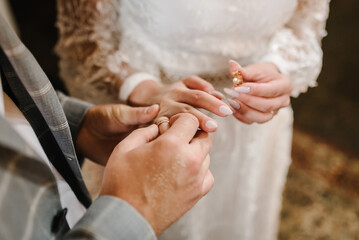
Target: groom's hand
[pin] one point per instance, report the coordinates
(105, 126)
(161, 178)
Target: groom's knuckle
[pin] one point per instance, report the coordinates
(211, 181)
(187, 117)
(197, 185)
(141, 132)
(192, 119)
(194, 164)
(138, 131)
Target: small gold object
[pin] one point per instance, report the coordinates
(237, 79)
(161, 120)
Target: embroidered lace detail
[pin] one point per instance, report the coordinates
(296, 48)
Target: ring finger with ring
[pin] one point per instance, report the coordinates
(163, 124)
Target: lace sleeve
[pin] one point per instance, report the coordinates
(296, 49)
(90, 61)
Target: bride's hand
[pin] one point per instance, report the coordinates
(183, 97)
(264, 91)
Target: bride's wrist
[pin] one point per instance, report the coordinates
(146, 93)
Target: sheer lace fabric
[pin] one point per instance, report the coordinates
(173, 39)
(90, 60)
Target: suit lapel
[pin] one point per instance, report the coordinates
(39, 103)
(37, 85)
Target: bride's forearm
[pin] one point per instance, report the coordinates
(146, 93)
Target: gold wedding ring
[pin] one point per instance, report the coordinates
(237, 79)
(161, 120)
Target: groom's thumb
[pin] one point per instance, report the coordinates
(137, 138)
(138, 115)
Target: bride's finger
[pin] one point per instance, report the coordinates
(197, 83)
(206, 123)
(236, 67)
(163, 124)
(204, 100)
(249, 115)
(163, 127)
(265, 105)
(271, 89)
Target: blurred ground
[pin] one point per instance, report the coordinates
(321, 198)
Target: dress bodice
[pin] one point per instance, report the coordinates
(171, 22)
(199, 36)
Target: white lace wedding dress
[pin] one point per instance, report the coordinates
(173, 39)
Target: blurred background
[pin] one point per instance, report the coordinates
(321, 199)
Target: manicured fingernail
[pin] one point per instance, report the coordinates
(243, 89)
(210, 124)
(234, 104)
(217, 94)
(225, 110)
(231, 92)
(151, 108)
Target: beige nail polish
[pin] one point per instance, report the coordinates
(217, 94)
(210, 124)
(242, 89)
(231, 92)
(234, 104)
(225, 110)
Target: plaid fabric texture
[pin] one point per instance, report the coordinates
(38, 101)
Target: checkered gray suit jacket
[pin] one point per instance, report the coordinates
(30, 207)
